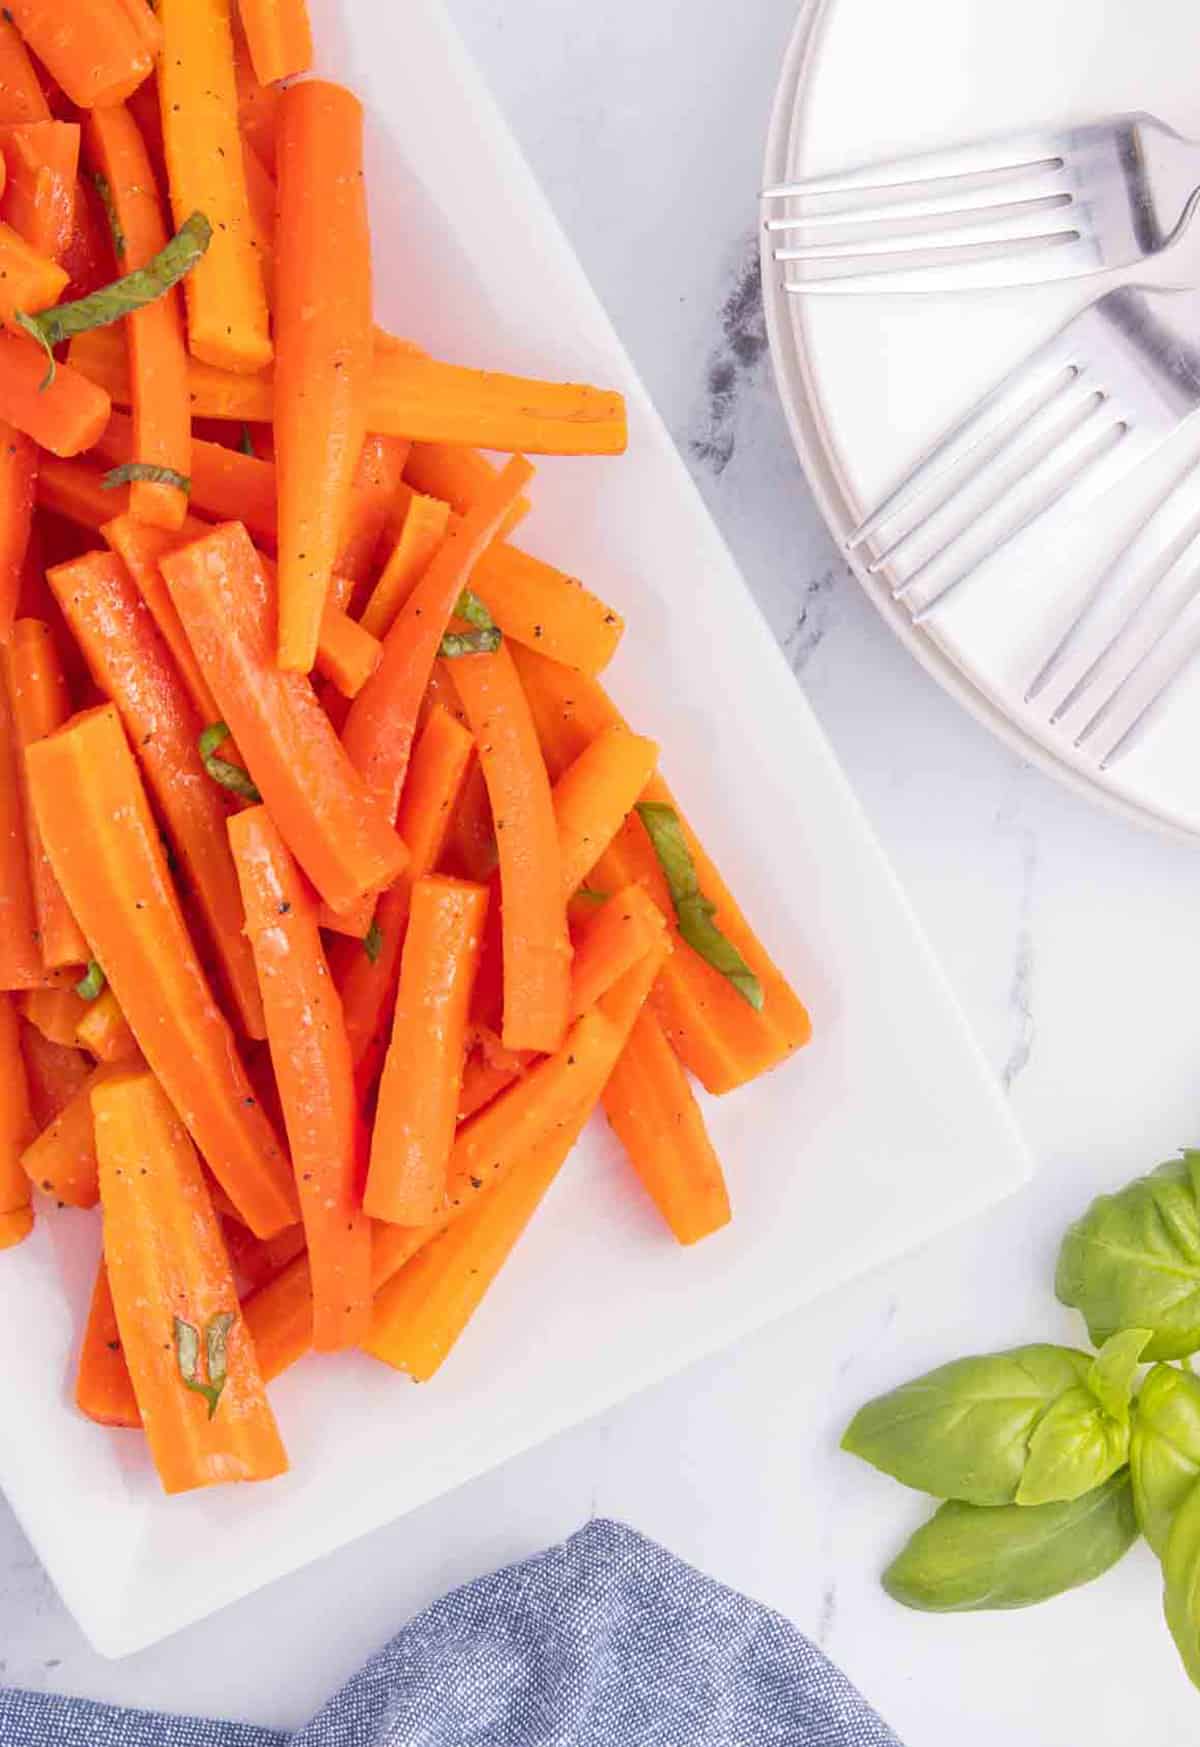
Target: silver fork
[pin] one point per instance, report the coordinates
(1081, 411)
(1014, 210)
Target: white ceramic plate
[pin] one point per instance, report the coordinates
(869, 381)
(888, 1129)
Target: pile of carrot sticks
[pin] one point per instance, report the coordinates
(335, 893)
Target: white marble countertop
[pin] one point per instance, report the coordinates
(1073, 943)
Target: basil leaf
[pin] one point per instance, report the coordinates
(458, 643)
(230, 776)
(215, 1337)
(187, 1355)
(373, 942)
(1114, 1369)
(474, 611)
(1133, 1262)
(966, 1558)
(187, 1349)
(91, 985)
(1181, 1582)
(104, 190)
(246, 441)
(50, 327)
(1075, 1446)
(693, 911)
(1164, 1450)
(130, 471)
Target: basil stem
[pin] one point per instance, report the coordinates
(104, 190)
(230, 776)
(693, 911)
(129, 471)
(458, 643)
(50, 327)
(373, 942)
(187, 1356)
(92, 983)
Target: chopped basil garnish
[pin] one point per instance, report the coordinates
(129, 471)
(104, 190)
(373, 942)
(230, 776)
(246, 441)
(693, 911)
(92, 983)
(589, 895)
(187, 1354)
(474, 611)
(457, 643)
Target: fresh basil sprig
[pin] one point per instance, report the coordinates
(693, 911)
(1164, 1451)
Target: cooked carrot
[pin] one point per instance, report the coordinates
(255, 1260)
(158, 362)
(194, 1372)
(61, 1159)
(37, 689)
(368, 982)
(65, 416)
(55, 1012)
(21, 95)
(102, 839)
(100, 355)
(378, 476)
(258, 104)
(484, 1079)
(422, 1311)
(595, 795)
(225, 484)
(537, 950)
(611, 942)
(89, 258)
(99, 51)
(347, 655)
(324, 810)
(18, 477)
(310, 1052)
(131, 665)
(323, 343)
(471, 850)
(552, 612)
(227, 319)
(42, 163)
(260, 199)
(423, 530)
(21, 964)
(718, 1036)
(16, 1125)
(54, 1073)
(29, 279)
(459, 477)
(418, 1097)
(279, 37)
(379, 730)
(76, 490)
(103, 1386)
(104, 1031)
(140, 548)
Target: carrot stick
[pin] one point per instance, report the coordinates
(101, 837)
(718, 1036)
(536, 604)
(379, 730)
(130, 664)
(21, 95)
(367, 983)
(310, 1052)
(347, 655)
(158, 363)
(31, 280)
(54, 1073)
(104, 1031)
(76, 491)
(55, 1012)
(418, 1097)
(260, 199)
(537, 950)
(103, 1386)
(65, 416)
(611, 942)
(16, 1128)
(61, 1159)
(471, 849)
(423, 530)
(258, 104)
(100, 355)
(38, 691)
(279, 37)
(225, 484)
(255, 1260)
(177, 1308)
(378, 476)
(18, 476)
(99, 51)
(459, 476)
(324, 346)
(595, 795)
(42, 162)
(140, 547)
(323, 808)
(21, 964)
(227, 316)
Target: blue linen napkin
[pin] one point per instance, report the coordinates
(605, 1641)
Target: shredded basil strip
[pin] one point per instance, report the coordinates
(589, 895)
(187, 1355)
(457, 643)
(104, 190)
(92, 983)
(129, 471)
(50, 327)
(474, 611)
(246, 442)
(230, 776)
(693, 911)
(373, 942)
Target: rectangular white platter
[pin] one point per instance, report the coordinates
(888, 1129)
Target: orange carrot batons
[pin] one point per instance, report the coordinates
(279, 37)
(103, 842)
(65, 416)
(42, 160)
(322, 807)
(227, 315)
(314, 1072)
(131, 665)
(347, 655)
(61, 1160)
(537, 950)
(460, 477)
(103, 1387)
(595, 795)
(18, 483)
(623, 930)
(323, 341)
(54, 1072)
(20, 954)
(21, 96)
(103, 1030)
(16, 1128)
(192, 1363)
(158, 364)
(418, 1098)
(99, 51)
(422, 532)
(536, 604)
(140, 547)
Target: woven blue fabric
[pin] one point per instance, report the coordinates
(605, 1641)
